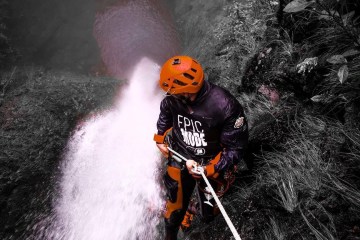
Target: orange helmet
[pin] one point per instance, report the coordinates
(181, 74)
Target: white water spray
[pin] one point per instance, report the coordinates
(109, 188)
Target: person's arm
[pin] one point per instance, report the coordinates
(165, 119)
(164, 124)
(233, 138)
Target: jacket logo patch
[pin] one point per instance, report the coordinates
(197, 151)
(239, 122)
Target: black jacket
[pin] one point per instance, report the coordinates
(214, 122)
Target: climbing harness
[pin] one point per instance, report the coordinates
(224, 182)
(200, 170)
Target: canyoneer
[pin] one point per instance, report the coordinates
(205, 124)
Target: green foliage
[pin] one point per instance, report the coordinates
(299, 166)
(300, 170)
(298, 5)
(305, 146)
(323, 232)
(275, 231)
(340, 89)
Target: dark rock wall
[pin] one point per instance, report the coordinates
(54, 34)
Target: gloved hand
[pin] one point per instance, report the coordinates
(163, 149)
(191, 165)
(161, 144)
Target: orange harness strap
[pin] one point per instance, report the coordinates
(174, 173)
(161, 138)
(210, 167)
(223, 183)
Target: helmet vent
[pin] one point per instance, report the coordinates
(188, 76)
(194, 83)
(178, 82)
(195, 61)
(194, 70)
(176, 61)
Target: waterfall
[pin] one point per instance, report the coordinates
(109, 188)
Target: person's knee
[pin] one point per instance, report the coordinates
(171, 230)
(175, 218)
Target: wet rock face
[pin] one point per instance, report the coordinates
(206, 31)
(102, 36)
(129, 30)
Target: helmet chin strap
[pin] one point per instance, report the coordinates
(184, 99)
(167, 93)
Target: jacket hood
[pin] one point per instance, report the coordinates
(202, 93)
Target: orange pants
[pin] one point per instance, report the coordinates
(179, 188)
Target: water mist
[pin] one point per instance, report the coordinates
(109, 188)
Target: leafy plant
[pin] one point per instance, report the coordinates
(298, 5)
(275, 231)
(323, 232)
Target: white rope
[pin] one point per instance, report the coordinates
(178, 154)
(201, 171)
(226, 217)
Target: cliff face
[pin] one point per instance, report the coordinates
(222, 35)
(95, 37)
(304, 152)
(54, 34)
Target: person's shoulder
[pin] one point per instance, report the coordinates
(167, 101)
(220, 91)
(225, 100)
